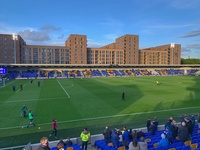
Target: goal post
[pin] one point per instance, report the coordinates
(2, 82)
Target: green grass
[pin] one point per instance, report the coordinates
(93, 103)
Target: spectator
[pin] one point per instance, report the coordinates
(60, 146)
(152, 129)
(189, 126)
(107, 134)
(115, 138)
(167, 124)
(183, 132)
(134, 145)
(192, 120)
(174, 129)
(171, 119)
(85, 135)
(198, 119)
(148, 124)
(125, 137)
(61, 141)
(130, 135)
(44, 144)
(140, 134)
(68, 142)
(155, 122)
(182, 118)
(168, 134)
(134, 134)
(142, 144)
(163, 141)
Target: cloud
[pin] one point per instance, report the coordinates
(42, 34)
(183, 4)
(34, 35)
(110, 37)
(185, 50)
(193, 46)
(93, 44)
(61, 36)
(49, 28)
(191, 34)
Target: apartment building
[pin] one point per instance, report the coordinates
(164, 54)
(10, 48)
(125, 50)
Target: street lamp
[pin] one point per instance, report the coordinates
(15, 37)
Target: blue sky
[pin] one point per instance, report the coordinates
(157, 22)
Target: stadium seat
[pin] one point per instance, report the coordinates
(194, 146)
(180, 144)
(69, 148)
(148, 140)
(186, 147)
(186, 143)
(110, 144)
(155, 145)
(121, 148)
(179, 148)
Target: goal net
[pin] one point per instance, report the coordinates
(2, 82)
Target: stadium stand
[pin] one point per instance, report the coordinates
(105, 73)
(29, 74)
(13, 74)
(96, 73)
(44, 73)
(192, 71)
(152, 140)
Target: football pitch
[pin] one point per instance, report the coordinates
(93, 103)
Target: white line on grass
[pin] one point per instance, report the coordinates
(63, 89)
(104, 117)
(42, 99)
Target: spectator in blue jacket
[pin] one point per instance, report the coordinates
(125, 137)
(115, 138)
(164, 141)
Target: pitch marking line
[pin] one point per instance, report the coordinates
(104, 117)
(63, 89)
(42, 99)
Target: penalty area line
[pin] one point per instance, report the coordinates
(63, 89)
(104, 117)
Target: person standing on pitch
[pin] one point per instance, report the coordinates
(24, 110)
(21, 87)
(54, 127)
(14, 87)
(123, 96)
(38, 83)
(30, 116)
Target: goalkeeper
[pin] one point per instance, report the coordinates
(24, 110)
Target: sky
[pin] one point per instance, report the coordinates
(157, 22)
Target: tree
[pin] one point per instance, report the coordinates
(190, 61)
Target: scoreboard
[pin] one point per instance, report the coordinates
(3, 70)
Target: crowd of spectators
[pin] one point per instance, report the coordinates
(135, 139)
